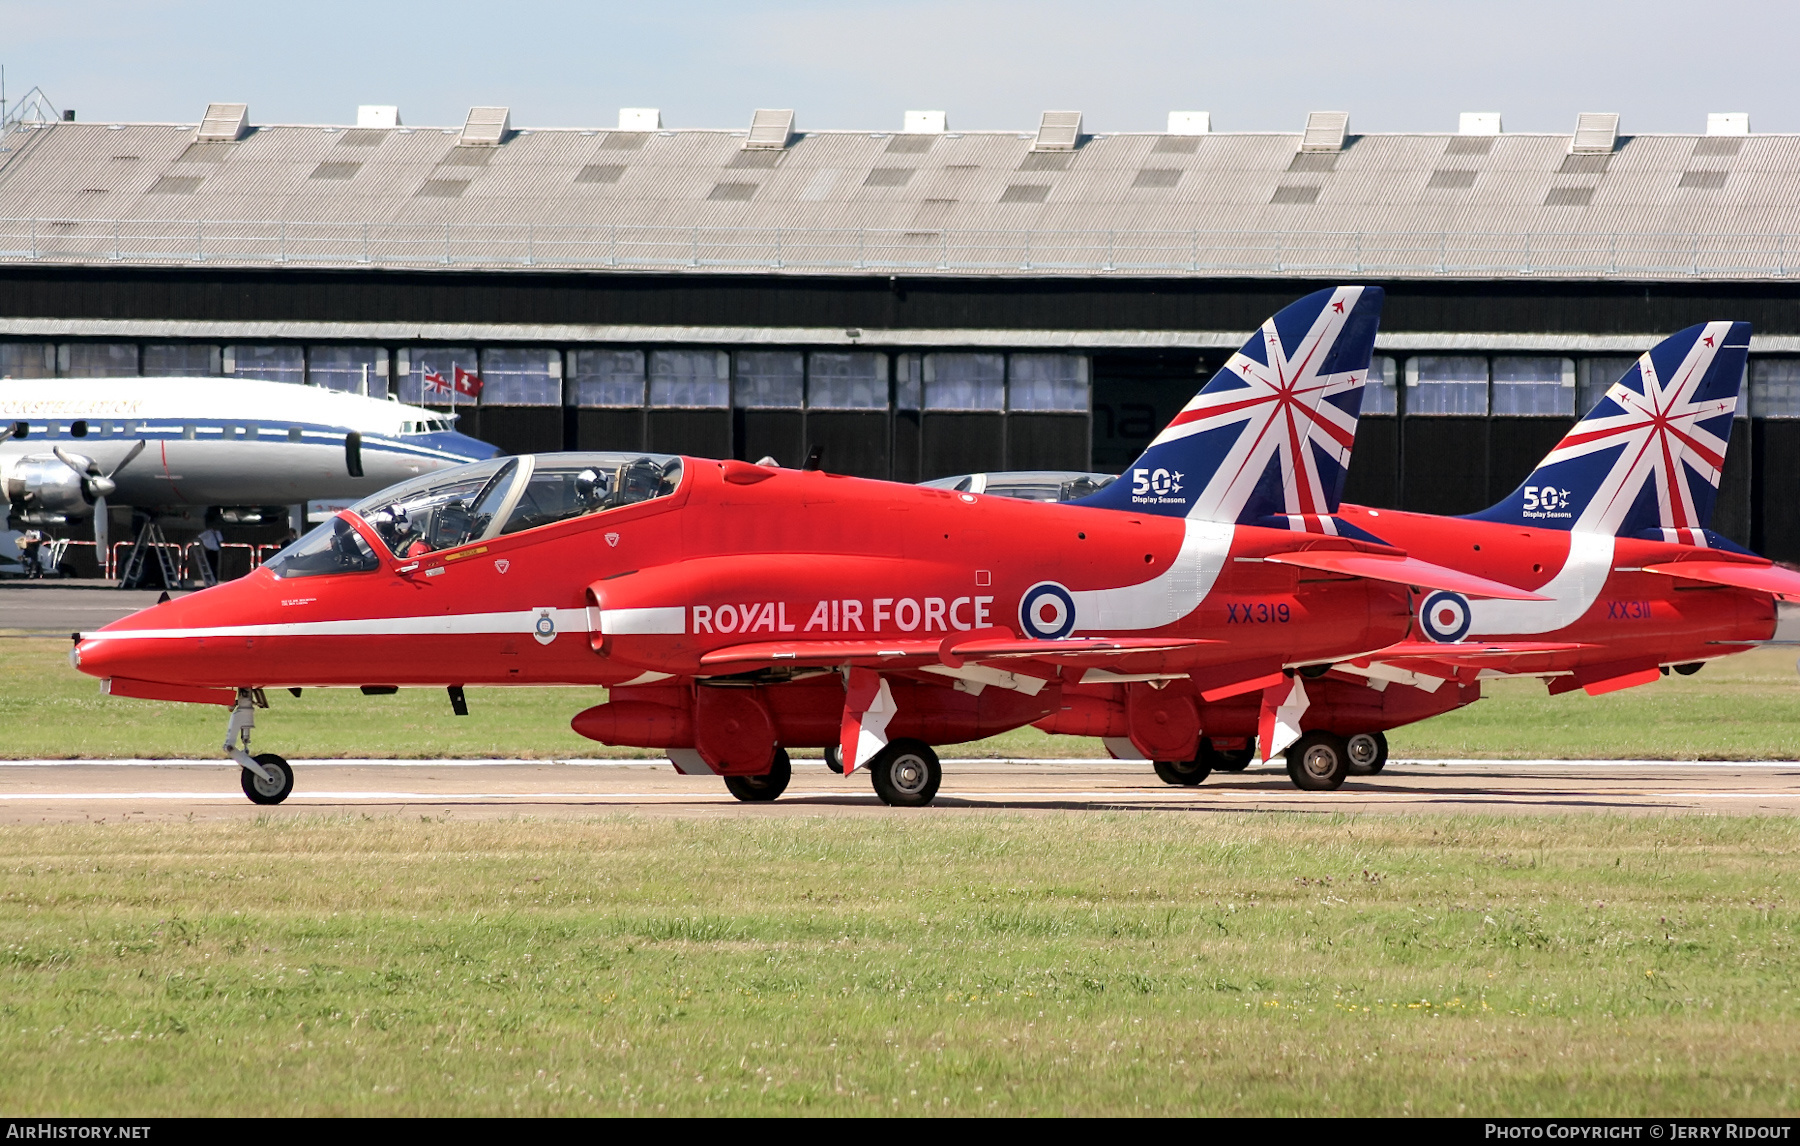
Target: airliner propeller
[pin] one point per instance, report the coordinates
(97, 486)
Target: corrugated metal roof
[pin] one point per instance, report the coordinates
(985, 202)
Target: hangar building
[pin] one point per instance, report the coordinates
(915, 302)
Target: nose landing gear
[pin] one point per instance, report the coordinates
(267, 778)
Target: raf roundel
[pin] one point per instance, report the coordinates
(1445, 617)
(1047, 612)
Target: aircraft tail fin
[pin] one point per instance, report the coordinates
(1646, 460)
(1266, 441)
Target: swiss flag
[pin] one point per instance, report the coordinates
(466, 383)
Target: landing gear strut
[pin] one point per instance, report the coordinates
(267, 779)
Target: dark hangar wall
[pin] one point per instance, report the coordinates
(1538, 307)
(1436, 464)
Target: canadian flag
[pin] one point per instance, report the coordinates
(466, 383)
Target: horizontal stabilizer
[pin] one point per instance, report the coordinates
(1772, 579)
(1402, 571)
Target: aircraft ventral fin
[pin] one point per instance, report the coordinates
(1401, 570)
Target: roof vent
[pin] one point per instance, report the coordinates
(486, 127)
(1325, 131)
(1596, 133)
(1728, 123)
(377, 115)
(640, 119)
(1190, 122)
(1058, 131)
(223, 123)
(925, 122)
(770, 130)
(1478, 123)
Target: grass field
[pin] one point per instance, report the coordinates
(944, 963)
(1744, 707)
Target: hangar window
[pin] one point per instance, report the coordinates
(770, 379)
(1543, 387)
(908, 373)
(1594, 377)
(181, 360)
(696, 379)
(27, 360)
(1048, 383)
(1025, 193)
(732, 192)
(609, 378)
(1446, 385)
(965, 381)
(600, 173)
(266, 363)
(1775, 388)
(97, 360)
(352, 369)
(853, 380)
(1378, 390)
(428, 374)
(514, 376)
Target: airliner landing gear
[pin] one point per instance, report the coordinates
(1318, 762)
(760, 789)
(267, 778)
(1368, 753)
(906, 774)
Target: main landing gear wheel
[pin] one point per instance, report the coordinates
(906, 774)
(1235, 760)
(1183, 773)
(1318, 762)
(273, 790)
(834, 759)
(760, 789)
(1368, 753)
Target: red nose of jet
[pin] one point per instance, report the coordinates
(168, 643)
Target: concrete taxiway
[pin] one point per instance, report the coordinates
(64, 791)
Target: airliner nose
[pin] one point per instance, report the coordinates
(473, 449)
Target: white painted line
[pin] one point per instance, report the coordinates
(1164, 795)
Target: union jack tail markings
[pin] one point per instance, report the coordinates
(1646, 460)
(1269, 437)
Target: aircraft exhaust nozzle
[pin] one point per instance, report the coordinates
(636, 724)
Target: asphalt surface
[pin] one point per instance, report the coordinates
(62, 791)
(65, 606)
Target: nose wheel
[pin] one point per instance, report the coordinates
(272, 788)
(267, 778)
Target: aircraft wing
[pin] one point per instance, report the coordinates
(954, 651)
(1424, 650)
(1401, 570)
(1772, 579)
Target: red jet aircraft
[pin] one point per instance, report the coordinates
(1609, 531)
(735, 611)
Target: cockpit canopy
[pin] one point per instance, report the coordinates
(482, 500)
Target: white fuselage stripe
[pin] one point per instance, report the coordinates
(454, 624)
